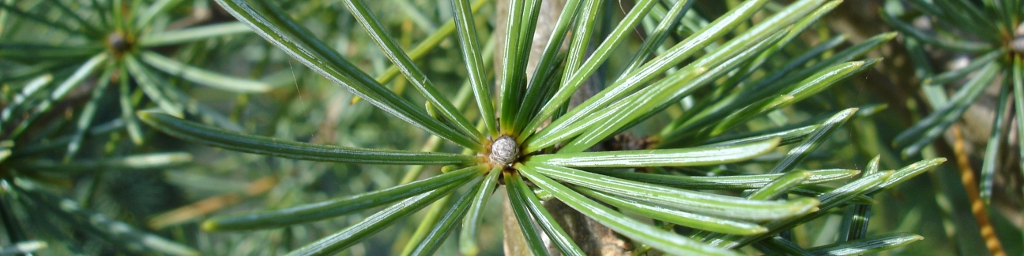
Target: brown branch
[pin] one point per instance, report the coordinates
(971, 188)
(211, 204)
(592, 237)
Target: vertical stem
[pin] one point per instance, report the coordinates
(592, 237)
(971, 187)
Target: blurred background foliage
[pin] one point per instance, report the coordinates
(170, 199)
